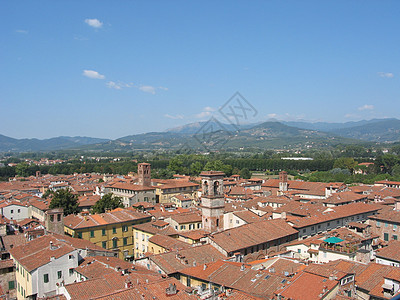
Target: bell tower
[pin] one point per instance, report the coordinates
(283, 184)
(212, 200)
(144, 174)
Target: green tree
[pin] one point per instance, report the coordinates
(63, 198)
(22, 169)
(345, 163)
(396, 170)
(107, 202)
(196, 168)
(245, 173)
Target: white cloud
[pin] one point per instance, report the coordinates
(95, 23)
(118, 85)
(163, 88)
(93, 74)
(22, 31)
(272, 116)
(386, 75)
(148, 89)
(207, 112)
(366, 107)
(177, 117)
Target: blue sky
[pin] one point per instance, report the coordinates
(114, 68)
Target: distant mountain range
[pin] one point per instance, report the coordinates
(215, 135)
(57, 143)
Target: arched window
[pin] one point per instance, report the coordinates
(205, 188)
(216, 186)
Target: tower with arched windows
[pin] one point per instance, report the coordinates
(144, 174)
(212, 200)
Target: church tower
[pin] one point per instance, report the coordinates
(283, 184)
(144, 174)
(212, 200)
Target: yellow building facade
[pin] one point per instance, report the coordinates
(111, 231)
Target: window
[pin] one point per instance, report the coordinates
(104, 245)
(19, 210)
(304, 230)
(114, 229)
(298, 250)
(137, 234)
(59, 274)
(125, 228)
(71, 271)
(386, 224)
(59, 217)
(79, 235)
(12, 211)
(395, 237)
(11, 285)
(91, 233)
(125, 241)
(51, 218)
(46, 278)
(378, 223)
(115, 243)
(70, 256)
(103, 232)
(386, 237)
(394, 226)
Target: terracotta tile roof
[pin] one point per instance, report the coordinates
(172, 262)
(237, 276)
(88, 200)
(247, 216)
(113, 217)
(151, 290)
(6, 263)
(278, 265)
(391, 252)
(130, 186)
(79, 243)
(107, 284)
(390, 216)
(11, 241)
(334, 213)
(345, 197)
(248, 235)
(184, 218)
(177, 184)
(93, 269)
(38, 252)
(150, 228)
(307, 286)
(168, 242)
(193, 234)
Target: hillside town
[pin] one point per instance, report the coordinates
(205, 237)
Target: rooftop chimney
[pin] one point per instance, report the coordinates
(171, 290)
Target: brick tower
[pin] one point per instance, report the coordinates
(54, 220)
(212, 200)
(144, 174)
